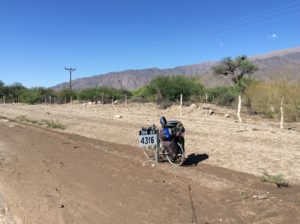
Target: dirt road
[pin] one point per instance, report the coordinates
(52, 177)
(254, 146)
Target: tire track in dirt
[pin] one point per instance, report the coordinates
(63, 178)
(253, 147)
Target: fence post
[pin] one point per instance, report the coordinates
(156, 105)
(112, 103)
(281, 112)
(126, 101)
(180, 105)
(239, 108)
(156, 154)
(206, 106)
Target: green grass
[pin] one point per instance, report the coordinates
(275, 179)
(53, 124)
(48, 124)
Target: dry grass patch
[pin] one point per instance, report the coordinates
(46, 123)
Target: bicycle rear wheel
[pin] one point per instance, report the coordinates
(176, 158)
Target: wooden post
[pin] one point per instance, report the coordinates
(112, 103)
(126, 101)
(239, 108)
(180, 105)
(281, 112)
(156, 151)
(139, 102)
(156, 105)
(206, 104)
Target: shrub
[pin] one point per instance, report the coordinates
(66, 95)
(275, 179)
(265, 98)
(170, 88)
(30, 96)
(105, 93)
(224, 96)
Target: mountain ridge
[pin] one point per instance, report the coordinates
(280, 64)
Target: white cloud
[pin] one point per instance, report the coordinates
(273, 36)
(220, 42)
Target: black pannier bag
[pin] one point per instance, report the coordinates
(175, 126)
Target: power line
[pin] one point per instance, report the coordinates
(70, 70)
(233, 23)
(270, 15)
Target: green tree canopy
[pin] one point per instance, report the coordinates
(235, 68)
(170, 87)
(99, 93)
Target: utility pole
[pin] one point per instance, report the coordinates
(70, 70)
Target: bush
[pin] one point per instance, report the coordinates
(105, 93)
(170, 88)
(265, 98)
(274, 179)
(223, 96)
(66, 95)
(227, 95)
(30, 96)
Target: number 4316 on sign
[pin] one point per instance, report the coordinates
(148, 140)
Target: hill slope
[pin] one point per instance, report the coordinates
(279, 64)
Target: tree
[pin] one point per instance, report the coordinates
(13, 92)
(236, 69)
(66, 96)
(171, 87)
(1, 88)
(30, 96)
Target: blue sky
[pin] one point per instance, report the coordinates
(38, 38)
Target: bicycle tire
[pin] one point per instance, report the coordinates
(177, 159)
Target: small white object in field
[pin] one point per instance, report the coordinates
(153, 165)
(193, 106)
(118, 116)
(226, 115)
(211, 112)
(116, 101)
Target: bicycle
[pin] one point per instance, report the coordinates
(172, 150)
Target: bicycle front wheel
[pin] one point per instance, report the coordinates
(178, 157)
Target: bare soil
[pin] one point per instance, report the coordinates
(61, 176)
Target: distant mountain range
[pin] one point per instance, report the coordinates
(283, 64)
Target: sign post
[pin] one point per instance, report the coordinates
(156, 155)
(149, 139)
